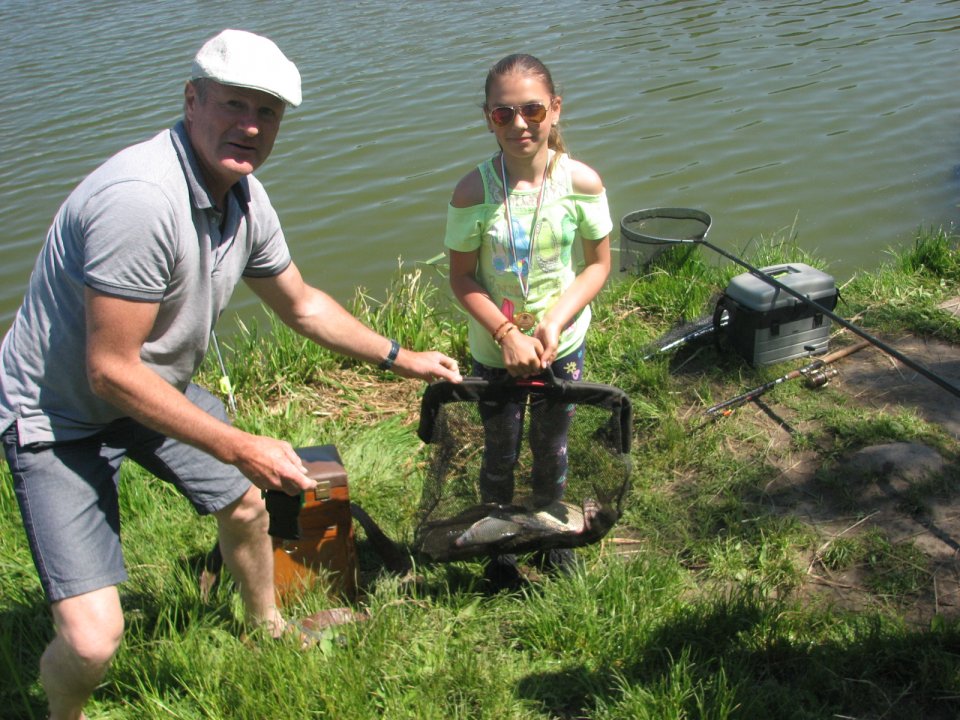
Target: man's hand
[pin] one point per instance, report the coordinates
(272, 465)
(429, 365)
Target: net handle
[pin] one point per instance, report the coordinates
(544, 379)
(475, 389)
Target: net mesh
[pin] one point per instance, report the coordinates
(648, 235)
(543, 492)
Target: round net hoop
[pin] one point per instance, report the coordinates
(665, 226)
(647, 234)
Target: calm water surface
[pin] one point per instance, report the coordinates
(838, 119)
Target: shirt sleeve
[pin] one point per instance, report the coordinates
(269, 253)
(128, 252)
(594, 211)
(464, 228)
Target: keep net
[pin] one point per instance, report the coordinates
(475, 505)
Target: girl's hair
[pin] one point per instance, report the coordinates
(522, 64)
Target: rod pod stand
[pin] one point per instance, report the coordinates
(819, 365)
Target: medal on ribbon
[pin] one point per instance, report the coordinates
(524, 320)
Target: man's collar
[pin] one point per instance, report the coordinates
(199, 195)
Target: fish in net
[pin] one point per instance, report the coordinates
(568, 465)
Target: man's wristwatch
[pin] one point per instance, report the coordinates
(387, 362)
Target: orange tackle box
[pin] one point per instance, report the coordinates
(326, 547)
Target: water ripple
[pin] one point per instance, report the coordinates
(835, 117)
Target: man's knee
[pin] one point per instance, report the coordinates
(95, 647)
(91, 626)
(248, 512)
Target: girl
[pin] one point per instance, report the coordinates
(511, 228)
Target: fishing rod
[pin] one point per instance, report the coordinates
(702, 221)
(700, 331)
(813, 371)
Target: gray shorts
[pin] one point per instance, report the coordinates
(67, 493)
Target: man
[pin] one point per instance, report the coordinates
(139, 263)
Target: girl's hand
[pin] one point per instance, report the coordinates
(521, 354)
(548, 334)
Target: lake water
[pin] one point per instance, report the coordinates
(838, 119)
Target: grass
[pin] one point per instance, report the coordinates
(714, 614)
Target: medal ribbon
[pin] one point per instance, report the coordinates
(524, 285)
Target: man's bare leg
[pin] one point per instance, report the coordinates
(89, 628)
(248, 554)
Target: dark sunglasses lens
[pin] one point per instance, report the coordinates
(533, 112)
(502, 115)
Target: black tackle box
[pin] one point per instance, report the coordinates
(767, 325)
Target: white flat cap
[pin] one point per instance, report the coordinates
(241, 58)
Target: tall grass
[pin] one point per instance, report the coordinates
(416, 312)
(705, 611)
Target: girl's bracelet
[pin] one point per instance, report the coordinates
(498, 338)
(501, 327)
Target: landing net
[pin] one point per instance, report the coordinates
(647, 235)
(550, 495)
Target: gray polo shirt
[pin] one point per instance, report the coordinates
(142, 227)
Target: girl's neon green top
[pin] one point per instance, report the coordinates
(565, 218)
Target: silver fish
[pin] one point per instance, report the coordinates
(487, 530)
(491, 528)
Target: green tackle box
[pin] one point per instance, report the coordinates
(767, 325)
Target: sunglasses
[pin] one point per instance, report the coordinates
(531, 112)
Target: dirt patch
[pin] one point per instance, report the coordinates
(878, 381)
(347, 393)
(908, 494)
(903, 500)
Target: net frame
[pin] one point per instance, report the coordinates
(647, 234)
